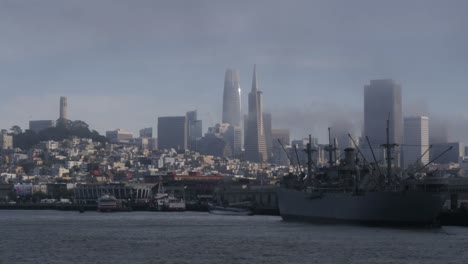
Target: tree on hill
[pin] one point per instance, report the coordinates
(64, 130)
(16, 130)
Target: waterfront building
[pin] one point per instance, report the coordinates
(255, 145)
(172, 132)
(382, 101)
(416, 141)
(40, 125)
(119, 136)
(232, 98)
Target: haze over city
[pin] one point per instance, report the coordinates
(122, 65)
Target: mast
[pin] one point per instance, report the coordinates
(297, 157)
(389, 151)
(309, 157)
(330, 149)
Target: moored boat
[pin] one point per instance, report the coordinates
(382, 207)
(357, 193)
(107, 203)
(226, 210)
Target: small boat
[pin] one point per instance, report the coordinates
(228, 210)
(164, 201)
(107, 203)
(175, 204)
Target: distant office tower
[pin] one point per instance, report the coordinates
(172, 132)
(438, 132)
(231, 135)
(454, 155)
(194, 130)
(237, 145)
(146, 132)
(119, 136)
(231, 98)
(40, 125)
(279, 156)
(63, 108)
(218, 141)
(382, 101)
(416, 141)
(255, 146)
(267, 131)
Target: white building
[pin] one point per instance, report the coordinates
(6, 141)
(119, 136)
(416, 140)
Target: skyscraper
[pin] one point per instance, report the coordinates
(416, 141)
(382, 101)
(231, 98)
(172, 132)
(194, 130)
(63, 108)
(255, 145)
(267, 131)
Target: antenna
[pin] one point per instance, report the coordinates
(330, 149)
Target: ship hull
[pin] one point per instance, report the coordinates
(373, 208)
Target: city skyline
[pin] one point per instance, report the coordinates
(109, 57)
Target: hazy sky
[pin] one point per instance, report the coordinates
(124, 63)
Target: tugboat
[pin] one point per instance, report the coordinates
(107, 203)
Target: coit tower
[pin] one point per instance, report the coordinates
(63, 108)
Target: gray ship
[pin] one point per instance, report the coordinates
(353, 193)
(379, 207)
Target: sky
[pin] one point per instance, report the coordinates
(124, 63)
